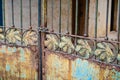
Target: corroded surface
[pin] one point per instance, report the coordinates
(59, 67)
(18, 63)
(103, 51)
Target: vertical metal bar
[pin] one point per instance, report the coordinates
(21, 19)
(3, 8)
(118, 24)
(59, 21)
(86, 20)
(30, 11)
(39, 41)
(52, 6)
(39, 13)
(107, 13)
(68, 11)
(76, 20)
(12, 13)
(60, 17)
(96, 12)
(30, 22)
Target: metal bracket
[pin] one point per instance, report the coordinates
(43, 29)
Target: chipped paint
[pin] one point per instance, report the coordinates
(17, 63)
(58, 67)
(7, 67)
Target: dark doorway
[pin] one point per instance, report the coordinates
(114, 15)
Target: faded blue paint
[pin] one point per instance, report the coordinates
(7, 67)
(14, 49)
(82, 70)
(22, 57)
(56, 63)
(9, 49)
(23, 75)
(117, 75)
(61, 68)
(3, 49)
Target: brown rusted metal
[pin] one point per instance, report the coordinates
(60, 67)
(19, 62)
(74, 56)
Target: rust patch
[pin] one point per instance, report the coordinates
(73, 57)
(56, 66)
(18, 62)
(70, 70)
(59, 53)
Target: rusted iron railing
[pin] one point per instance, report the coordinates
(22, 36)
(103, 51)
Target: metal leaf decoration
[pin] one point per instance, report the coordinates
(1, 34)
(30, 37)
(13, 35)
(66, 44)
(118, 57)
(104, 52)
(2, 37)
(83, 48)
(52, 42)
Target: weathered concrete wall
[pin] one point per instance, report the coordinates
(25, 14)
(18, 63)
(66, 67)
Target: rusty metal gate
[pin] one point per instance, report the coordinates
(63, 46)
(70, 55)
(20, 45)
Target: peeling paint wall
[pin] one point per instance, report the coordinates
(18, 63)
(61, 67)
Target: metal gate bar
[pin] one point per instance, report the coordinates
(86, 19)
(40, 41)
(107, 20)
(76, 20)
(12, 6)
(118, 25)
(68, 9)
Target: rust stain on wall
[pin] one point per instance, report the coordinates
(18, 63)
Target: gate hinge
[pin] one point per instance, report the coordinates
(43, 29)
